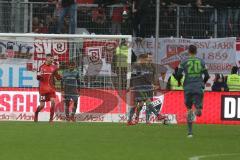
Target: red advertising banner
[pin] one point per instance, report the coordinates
(216, 106)
(91, 101)
(110, 106)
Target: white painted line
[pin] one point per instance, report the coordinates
(213, 155)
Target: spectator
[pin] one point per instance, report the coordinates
(122, 54)
(68, 7)
(173, 83)
(35, 25)
(39, 27)
(51, 22)
(133, 57)
(85, 1)
(98, 18)
(139, 16)
(121, 57)
(233, 80)
(117, 19)
(219, 84)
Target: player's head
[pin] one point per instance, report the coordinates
(192, 50)
(219, 78)
(234, 70)
(72, 65)
(143, 58)
(123, 42)
(49, 59)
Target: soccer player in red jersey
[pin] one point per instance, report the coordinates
(47, 91)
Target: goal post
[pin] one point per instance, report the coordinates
(102, 62)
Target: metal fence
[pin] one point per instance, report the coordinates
(176, 21)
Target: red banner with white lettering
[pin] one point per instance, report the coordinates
(110, 106)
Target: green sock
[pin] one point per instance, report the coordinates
(190, 118)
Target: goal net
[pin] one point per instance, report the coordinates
(100, 60)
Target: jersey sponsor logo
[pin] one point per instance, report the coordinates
(230, 109)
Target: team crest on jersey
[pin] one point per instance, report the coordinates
(60, 47)
(94, 54)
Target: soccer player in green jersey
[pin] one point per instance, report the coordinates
(143, 82)
(194, 84)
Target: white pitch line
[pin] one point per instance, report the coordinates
(212, 155)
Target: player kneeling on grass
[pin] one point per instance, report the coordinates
(70, 85)
(47, 91)
(143, 78)
(193, 85)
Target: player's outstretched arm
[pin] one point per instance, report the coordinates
(206, 76)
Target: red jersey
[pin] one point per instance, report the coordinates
(46, 78)
(117, 14)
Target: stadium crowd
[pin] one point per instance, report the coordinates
(197, 17)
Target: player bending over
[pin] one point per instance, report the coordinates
(142, 84)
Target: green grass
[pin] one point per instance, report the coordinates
(115, 141)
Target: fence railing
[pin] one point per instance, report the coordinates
(177, 21)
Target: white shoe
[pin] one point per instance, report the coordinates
(189, 135)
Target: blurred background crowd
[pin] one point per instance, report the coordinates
(185, 18)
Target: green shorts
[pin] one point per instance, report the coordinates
(193, 98)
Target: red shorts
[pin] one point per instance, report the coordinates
(47, 96)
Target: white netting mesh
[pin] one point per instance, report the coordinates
(101, 61)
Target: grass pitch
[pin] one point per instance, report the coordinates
(116, 141)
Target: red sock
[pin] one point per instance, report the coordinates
(36, 114)
(51, 113)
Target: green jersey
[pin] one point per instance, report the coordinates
(193, 69)
(143, 75)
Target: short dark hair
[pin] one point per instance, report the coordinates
(192, 49)
(234, 70)
(144, 55)
(49, 55)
